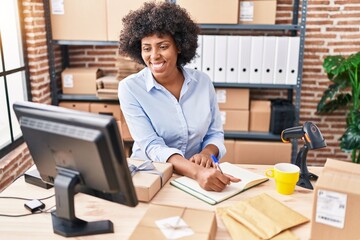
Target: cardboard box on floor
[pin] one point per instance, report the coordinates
(336, 207)
(257, 11)
(201, 222)
(80, 80)
(261, 152)
(147, 184)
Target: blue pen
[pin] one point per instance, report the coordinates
(216, 162)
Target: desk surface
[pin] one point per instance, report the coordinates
(125, 219)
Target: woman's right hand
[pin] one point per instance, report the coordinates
(212, 179)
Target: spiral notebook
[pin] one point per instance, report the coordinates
(248, 178)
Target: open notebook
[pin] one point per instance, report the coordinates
(248, 179)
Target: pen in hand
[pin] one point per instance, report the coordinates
(216, 162)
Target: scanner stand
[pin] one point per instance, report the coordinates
(305, 175)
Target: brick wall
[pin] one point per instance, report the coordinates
(18, 161)
(332, 28)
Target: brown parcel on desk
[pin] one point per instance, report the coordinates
(336, 207)
(147, 184)
(201, 222)
(80, 80)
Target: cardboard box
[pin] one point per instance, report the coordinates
(230, 147)
(260, 115)
(107, 94)
(233, 98)
(124, 131)
(261, 152)
(336, 206)
(109, 82)
(257, 11)
(212, 11)
(147, 184)
(107, 109)
(80, 106)
(202, 223)
(116, 10)
(80, 80)
(235, 120)
(82, 20)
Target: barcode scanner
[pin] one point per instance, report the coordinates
(313, 139)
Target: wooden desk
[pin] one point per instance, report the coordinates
(125, 219)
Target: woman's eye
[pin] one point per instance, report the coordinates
(146, 49)
(164, 47)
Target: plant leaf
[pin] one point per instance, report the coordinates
(341, 101)
(332, 64)
(351, 138)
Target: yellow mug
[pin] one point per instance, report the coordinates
(286, 176)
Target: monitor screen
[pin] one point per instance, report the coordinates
(76, 152)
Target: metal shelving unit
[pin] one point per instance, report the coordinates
(295, 28)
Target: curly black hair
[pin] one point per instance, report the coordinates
(162, 19)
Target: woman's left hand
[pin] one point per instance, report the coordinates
(202, 160)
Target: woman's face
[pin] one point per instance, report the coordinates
(160, 55)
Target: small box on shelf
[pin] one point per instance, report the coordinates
(260, 115)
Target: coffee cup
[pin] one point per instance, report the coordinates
(286, 176)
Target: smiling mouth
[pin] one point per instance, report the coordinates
(157, 65)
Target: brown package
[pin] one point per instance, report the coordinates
(201, 222)
(148, 184)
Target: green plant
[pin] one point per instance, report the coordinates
(344, 92)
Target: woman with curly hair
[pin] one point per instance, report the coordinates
(171, 111)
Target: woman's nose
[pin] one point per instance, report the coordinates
(154, 54)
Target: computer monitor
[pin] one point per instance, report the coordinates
(76, 152)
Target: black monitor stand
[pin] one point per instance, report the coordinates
(65, 222)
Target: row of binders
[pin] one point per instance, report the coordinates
(248, 59)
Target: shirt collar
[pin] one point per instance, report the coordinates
(151, 82)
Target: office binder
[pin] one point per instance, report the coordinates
(244, 59)
(220, 58)
(232, 59)
(257, 44)
(293, 60)
(282, 44)
(268, 64)
(196, 62)
(208, 55)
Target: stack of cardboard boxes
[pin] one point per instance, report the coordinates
(105, 16)
(240, 114)
(234, 108)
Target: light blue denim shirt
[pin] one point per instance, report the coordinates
(161, 125)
